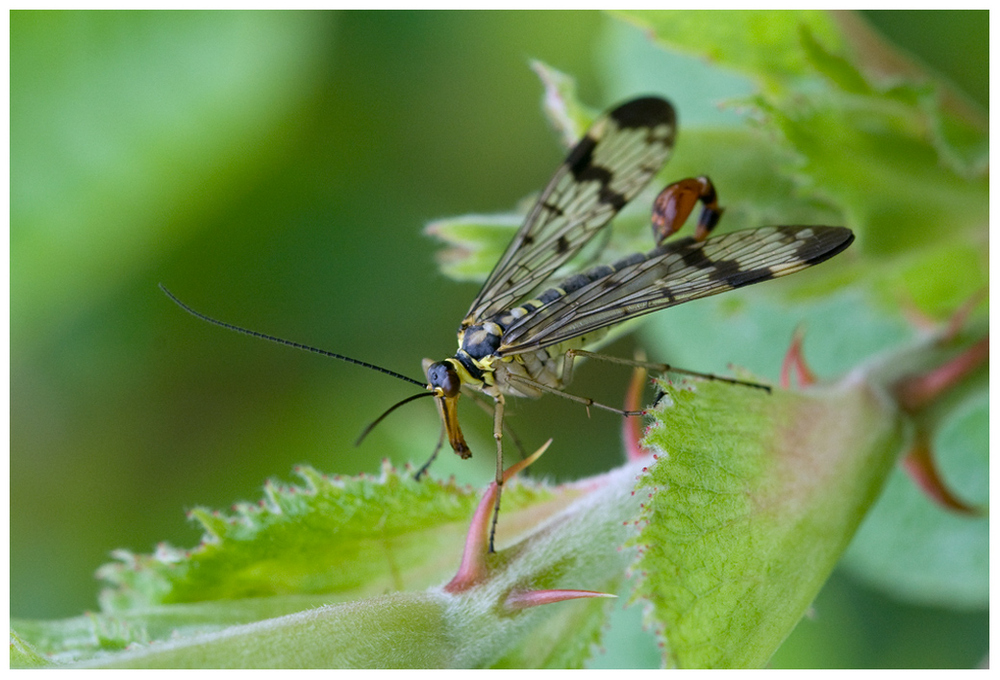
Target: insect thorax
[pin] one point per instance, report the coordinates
(480, 366)
(476, 359)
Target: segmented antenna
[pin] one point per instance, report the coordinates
(389, 410)
(289, 343)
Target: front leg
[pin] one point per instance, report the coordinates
(425, 466)
(498, 436)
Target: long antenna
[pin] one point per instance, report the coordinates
(289, 343)
(392, 408)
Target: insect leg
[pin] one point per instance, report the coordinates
(586, 401)
(675, 203)
(498, 435)
(474, 396)
(423, 468)
(662, 368)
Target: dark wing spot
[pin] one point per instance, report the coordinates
(613, 198)
(592, 173)
(582, 156)
(644, 112)
(726, 269)
(604, 177)
(694, 258)
(554, 209)
(831, 241)
(748, 276)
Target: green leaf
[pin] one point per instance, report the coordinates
(377, 633)
(474, 243)
(566, 537)
(741, 533)
(908, 545)
(755, 497)
(762, 44)
(876, 164)
(351, 537)
(24, 655)
(564, 110)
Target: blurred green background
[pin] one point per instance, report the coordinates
(275, 170)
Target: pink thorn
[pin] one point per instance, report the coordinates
(521, 464)
(923, 322)
(631, 427)
(919, 464)
(518, 600)
(962, 315)
(914, 392)
(915, 317)
(473, 570)
(794, 360)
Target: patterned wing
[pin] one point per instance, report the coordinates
(673, 273)
(614, 161)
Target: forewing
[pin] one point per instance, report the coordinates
(674, 273)
(614, 161)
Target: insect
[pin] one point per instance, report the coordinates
(521, 334)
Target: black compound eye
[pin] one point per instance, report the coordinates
(442, 376)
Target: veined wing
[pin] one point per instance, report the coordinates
(673, 273)
(613, 162)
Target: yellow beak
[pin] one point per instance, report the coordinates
(448, 409)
